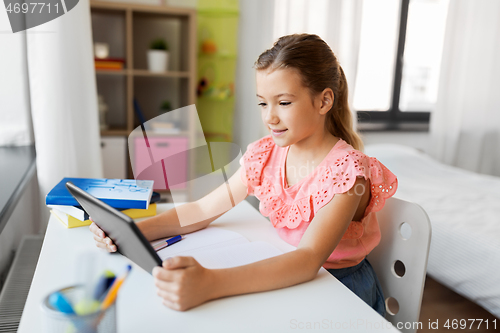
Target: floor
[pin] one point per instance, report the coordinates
(441, 304)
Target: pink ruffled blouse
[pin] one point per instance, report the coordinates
(292, 209)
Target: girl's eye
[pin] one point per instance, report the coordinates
(262, 104)
(285, 103)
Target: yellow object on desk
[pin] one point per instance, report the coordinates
(138, 213)
(72, 222)
(69, 221)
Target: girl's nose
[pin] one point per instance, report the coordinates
(270, 116)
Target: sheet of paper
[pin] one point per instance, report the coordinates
(236, 254)
(202, 240)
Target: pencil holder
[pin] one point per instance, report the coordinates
(55, 321)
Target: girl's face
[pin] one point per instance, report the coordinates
(289, 111)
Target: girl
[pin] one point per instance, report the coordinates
(319, 191)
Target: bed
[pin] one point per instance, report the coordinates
(464, 209)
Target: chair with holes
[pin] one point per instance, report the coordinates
(400, 260)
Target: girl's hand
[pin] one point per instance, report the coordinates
(100, 238)
(183, 283)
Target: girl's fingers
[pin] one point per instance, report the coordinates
(167, 286)
(99, 240)
(163, 274)
(96, 230)
(101, 245)
(168, 296)
(170, 304)
(108, 241)
(179, 262)
(105, 243)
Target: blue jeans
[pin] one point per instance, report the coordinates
(362, 280)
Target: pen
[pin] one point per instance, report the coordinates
(113, 290)
(168, 242)
(105, 281)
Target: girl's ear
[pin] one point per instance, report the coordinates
(327, 99)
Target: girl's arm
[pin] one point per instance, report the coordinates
(183, 283)
(195, 215)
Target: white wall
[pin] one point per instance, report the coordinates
(255, 35)
(15, 114)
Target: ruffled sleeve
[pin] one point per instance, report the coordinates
(253, 162)
(383, 185)
(340, 175)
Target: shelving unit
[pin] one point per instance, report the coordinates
(217, 54)
(128, 29)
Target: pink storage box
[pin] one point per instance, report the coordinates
(161, 149)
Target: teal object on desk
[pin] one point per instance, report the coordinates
(59, 302)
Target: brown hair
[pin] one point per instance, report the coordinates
(319, 69)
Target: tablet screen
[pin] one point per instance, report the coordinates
(119, 227)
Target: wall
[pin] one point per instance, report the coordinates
(254, 37)
(15, 115)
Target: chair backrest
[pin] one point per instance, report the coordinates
(400, 260)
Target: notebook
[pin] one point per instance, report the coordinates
(118, 193)
(71, 221)
(79, 213)
(215, 248)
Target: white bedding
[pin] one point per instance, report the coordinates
(464, 209)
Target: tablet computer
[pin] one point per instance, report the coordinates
(119, 227)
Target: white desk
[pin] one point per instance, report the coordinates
(322, 304)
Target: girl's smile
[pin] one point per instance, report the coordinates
(278, 132)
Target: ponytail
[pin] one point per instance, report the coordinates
(339, 118)
(319, 69)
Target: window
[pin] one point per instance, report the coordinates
(399, 59)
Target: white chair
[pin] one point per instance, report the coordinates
(400, 261)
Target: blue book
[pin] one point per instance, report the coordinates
(118, 193)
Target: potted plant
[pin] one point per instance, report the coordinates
(158, 55)
(168, 120)
(166, 106)
(170, 115)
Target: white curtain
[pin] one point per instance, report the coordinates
(465, 127)
(15, 119)
(255, 35)
(337, 22)
(64, 99)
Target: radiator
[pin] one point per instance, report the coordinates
(18, 282)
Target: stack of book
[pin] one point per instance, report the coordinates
(133, 198)
(109, 63)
